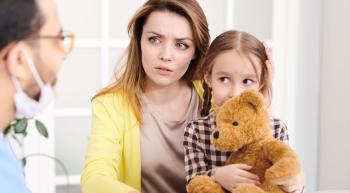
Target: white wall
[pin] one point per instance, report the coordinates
(334, 146)
(306, 88)
(322, 92)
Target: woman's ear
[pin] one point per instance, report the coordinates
(15, 62)
(207, 79)
(194, 56)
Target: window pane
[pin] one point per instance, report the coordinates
(71, 143)
(115, 61)
(254, 17)
(79, 79)
(120, 13)
(82, 17)
(215, 12)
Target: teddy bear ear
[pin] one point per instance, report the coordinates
(253, 98)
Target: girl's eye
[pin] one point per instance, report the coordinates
(182, 46)
(154, 40)
(224, 79)
(248, 81)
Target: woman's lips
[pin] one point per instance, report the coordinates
(163, 70)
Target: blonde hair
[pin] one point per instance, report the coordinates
(131, 82)
(245, 44)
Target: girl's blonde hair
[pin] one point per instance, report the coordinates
(131, 82)
(248, 46)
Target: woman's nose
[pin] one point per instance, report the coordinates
(166, 52)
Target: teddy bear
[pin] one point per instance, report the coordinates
(242, 127)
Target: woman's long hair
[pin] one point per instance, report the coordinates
(131, 82)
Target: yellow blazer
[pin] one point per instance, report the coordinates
(113, 160)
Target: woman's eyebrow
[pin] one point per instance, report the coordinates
(184, 38)
(155, 33)
(177, 38)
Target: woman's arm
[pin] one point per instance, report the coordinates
(100, 172)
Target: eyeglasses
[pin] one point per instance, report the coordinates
(67, 40)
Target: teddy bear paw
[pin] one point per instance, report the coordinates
(248, 188)
(204, 184)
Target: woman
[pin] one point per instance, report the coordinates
(142, 115)
(138, 121)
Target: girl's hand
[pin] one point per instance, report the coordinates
(294, 185)
(269, 62)
(230, 176)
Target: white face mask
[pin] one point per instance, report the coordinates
(27, 107)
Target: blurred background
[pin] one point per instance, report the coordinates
(310, 42)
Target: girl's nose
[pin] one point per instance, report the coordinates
(235, 91)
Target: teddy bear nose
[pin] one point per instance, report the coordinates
(216, 134)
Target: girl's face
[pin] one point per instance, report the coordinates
(233, 73)
(167, 47)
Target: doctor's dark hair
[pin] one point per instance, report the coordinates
(19, 19)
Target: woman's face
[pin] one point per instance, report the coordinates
(167, 47)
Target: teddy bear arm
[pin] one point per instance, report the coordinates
(285, 163)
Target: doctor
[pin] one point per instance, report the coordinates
(32, 49)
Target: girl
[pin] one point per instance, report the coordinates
(137, 123)
(235, 62)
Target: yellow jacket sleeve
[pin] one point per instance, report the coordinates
(113, 160)
(199, 88)
(101, 172)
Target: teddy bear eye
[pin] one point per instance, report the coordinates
(235, 123)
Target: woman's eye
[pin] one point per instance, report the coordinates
(154, 40)
(182, 46)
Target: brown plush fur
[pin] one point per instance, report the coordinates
(251, 143)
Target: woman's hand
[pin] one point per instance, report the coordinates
(230, 176)
(270, 68)
(269, 62)
(294, 185)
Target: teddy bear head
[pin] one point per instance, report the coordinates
(240, 121)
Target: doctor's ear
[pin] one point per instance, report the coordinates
(14, 60)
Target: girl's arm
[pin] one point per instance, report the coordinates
(294, 185)
(194, 153)
(101, 171)
(297, 183)
(279, 130)
(229, 176)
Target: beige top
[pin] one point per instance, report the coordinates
(162, 157)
